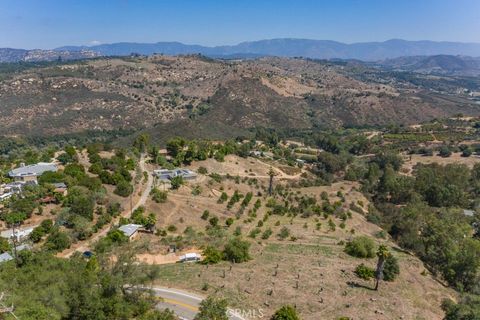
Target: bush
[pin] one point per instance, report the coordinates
(211, 255)
(468, 308)
(284, 233)
(212, 308)
(391, 268)
(266, 234)
(361, 247)
(159, 196)
(286, 313)
(176, 182)
(205, 215)
(237, 250)
(223, 198)
(444, 152)
(123, 189)
(364, 272)
(57, 241)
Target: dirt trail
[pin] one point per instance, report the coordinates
(86, 245)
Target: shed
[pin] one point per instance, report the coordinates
(130, 230)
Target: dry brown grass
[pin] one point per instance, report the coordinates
(456, 158)
(327, 287)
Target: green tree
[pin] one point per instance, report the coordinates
(391, 268)
(4, 245)
(176, 182)
(361, 247)
(237, 250)
(286, 313)
(212, 309)
(211, 255)
(123, 189)
(57, 241)
(468, 308)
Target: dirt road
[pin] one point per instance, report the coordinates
(86, 245)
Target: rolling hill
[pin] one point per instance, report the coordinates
(201, 96)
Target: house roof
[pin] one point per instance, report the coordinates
(129, 229)
(18, 232)
(60, 185)
(5, 257)
(468, 213)
(34, 169)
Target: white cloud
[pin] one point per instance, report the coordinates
(94, 43)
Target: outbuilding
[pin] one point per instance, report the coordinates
(130, 230)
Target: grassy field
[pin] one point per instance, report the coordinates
(309, 269)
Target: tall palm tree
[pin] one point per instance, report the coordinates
(382, 254)
(271, 173)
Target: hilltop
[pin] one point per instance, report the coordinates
(214, 98)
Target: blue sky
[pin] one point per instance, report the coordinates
(52, 23)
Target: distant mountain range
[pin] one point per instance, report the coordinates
(436, 64)
(315, 49)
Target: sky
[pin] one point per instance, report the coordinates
(46, 24)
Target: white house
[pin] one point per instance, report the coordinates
(31, 172)
(19, 235)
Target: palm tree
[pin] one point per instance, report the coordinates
(271, 173)
(382, 254)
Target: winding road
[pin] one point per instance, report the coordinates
(184, 304)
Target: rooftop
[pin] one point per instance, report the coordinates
(34, 169)
(5, 257)
(129, 229)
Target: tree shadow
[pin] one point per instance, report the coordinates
(354, 284)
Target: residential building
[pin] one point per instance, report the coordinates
(31, 172)
(19, 235)
(4, 257)
(130, 230)
(165, 174)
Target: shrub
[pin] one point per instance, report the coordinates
(159, 196)
(212, 308)
(223, 198)
(237, 250)
(202, 170)
(176, 182)
(284, 233)
(361, 247)
(124, 188)
(364, 272)
(213, 221)
(211, 255)
(286, 313)
(266, 234)
(229, 222)
(444, 152)
(205, 215)
(57, 241)
(391, 268)
(172, 228)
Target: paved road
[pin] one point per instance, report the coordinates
(184, 304)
